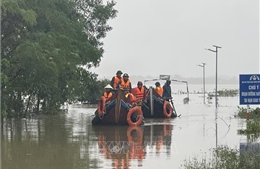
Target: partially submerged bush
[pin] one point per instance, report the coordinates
(252, 127)
(254, 113)
(228, 93)
(222, 157)
(226, 158)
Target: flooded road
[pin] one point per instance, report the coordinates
(69, 141)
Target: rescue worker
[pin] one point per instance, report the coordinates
(158, 88)
(167, 91)
(108, 91)
(139, 92)
(125, 83)
(130, 97)
(116, 79)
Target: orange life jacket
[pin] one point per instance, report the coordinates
(116, 80)
(125, 84)
(159, 90)
(131, 98)
(107, 95)
(139, 94)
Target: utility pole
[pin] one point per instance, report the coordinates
(216, 88)
(203, 66)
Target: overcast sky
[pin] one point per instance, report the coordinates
(152, 37)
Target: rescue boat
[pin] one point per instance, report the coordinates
(154, 106)
(117, 111)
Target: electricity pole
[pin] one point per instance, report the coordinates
(216, 89)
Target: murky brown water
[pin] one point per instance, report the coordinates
(69, 141)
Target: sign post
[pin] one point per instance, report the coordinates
(249, 90)
(164, 77)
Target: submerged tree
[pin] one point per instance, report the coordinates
(47, 49)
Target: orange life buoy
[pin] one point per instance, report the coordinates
(101, 106)
(135, 110)
(167, 109)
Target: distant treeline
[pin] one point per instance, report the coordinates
(190, 80)
(228, 93)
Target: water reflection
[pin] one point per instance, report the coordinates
(123, 144)
(42, 143)
(69, 141)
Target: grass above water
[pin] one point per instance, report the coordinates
(224, 157)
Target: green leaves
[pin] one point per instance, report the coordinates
(47, 48)
(13, 6)
(29, 16)
(95, 16)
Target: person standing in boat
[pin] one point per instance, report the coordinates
(108, 91)
(116, 79)
(139, 92)
(125, 83)
(158, 88)
(167, 91)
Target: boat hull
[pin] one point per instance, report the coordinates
(153, 106)
(109, 117)
(117, 111)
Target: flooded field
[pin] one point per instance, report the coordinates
(69, 141)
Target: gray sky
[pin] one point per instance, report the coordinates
(152, 37)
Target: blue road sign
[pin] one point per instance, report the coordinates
(249, 86)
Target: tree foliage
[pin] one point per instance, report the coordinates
(47, 49)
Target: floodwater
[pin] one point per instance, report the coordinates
(69, 141)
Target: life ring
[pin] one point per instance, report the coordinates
(101, 106)
(135, 110)
(167, 109)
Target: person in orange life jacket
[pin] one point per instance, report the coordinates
(108, 93)
(129, 96)
(116, 79)
(125, 83)
(139, 92)
(158, 88)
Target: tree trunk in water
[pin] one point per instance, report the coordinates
(38, 105)
(44, 105)
(2, 123)
(28, 103)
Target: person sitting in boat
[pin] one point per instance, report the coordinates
(125, 83)
(158, 88)
(116, 79)
(131, 99)
(108, 91)
(167, 91)
(139, 92)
